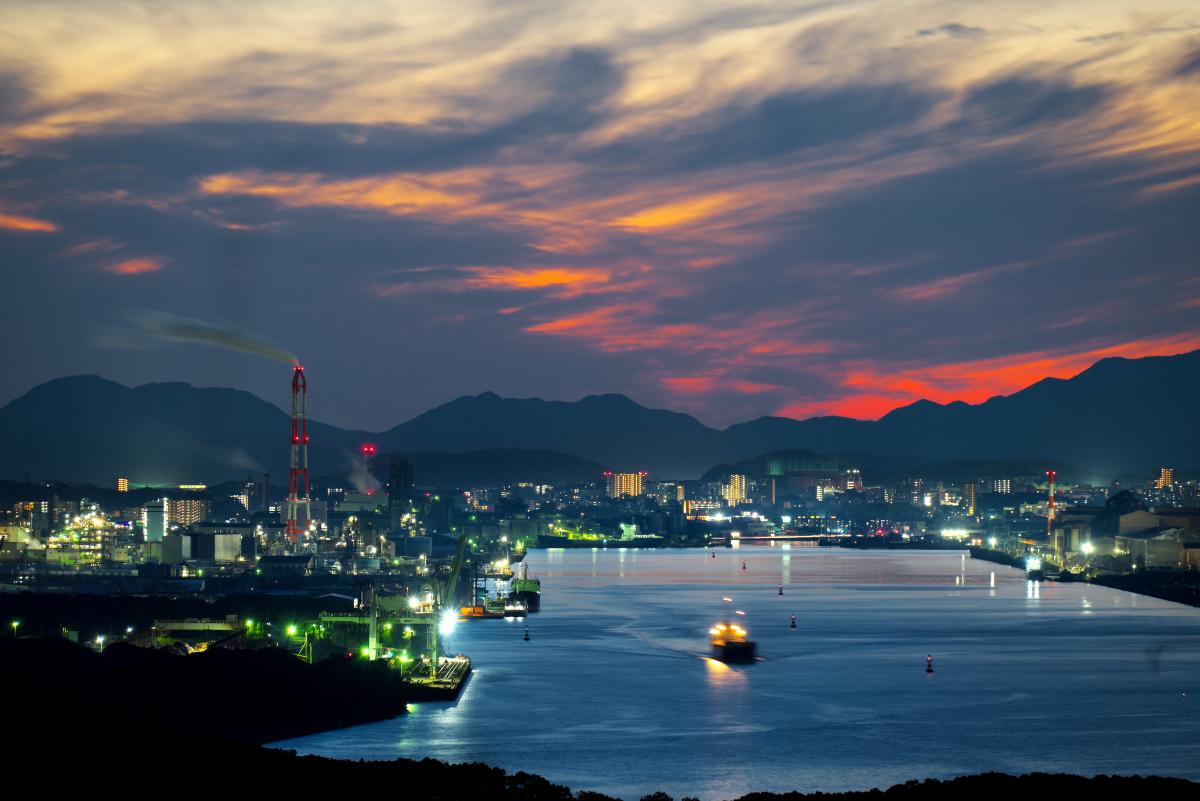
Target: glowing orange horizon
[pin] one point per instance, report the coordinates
(970, 382)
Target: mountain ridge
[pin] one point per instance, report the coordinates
(1118, 414)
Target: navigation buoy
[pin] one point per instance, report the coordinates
(714, 553)
(793, 621)
(743, 564)
(527, 634)
(929, 664)
(781, 589)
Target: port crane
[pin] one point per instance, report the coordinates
(382, 610)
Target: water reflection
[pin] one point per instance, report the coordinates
(620, 676)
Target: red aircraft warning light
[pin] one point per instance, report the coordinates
(298, 472)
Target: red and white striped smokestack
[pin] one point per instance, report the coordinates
(298, 474)
(1050, 516)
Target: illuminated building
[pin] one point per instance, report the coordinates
(1166, 478)
(400, 491)
(186, 511)
(154, 520)
(700, 508)
(620, 485)
(243, 497)
(968, 498)
(826, 488)
(852, 480)
(121, 484)
(193, 487)
(1002, 486)
(735, 491)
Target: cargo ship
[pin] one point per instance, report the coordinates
(526, 590)
(729, 643)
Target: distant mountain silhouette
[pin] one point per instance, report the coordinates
(1119, 414)
(86, 428)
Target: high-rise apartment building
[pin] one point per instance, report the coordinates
(968, 498)
(620, 485)
(121, 484)
(186, 511)
(734, 492)
(1166, 478)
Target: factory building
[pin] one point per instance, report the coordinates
(154, 520)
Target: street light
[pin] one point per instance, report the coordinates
(14, 625)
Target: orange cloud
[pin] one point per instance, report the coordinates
(671, 215)
(137, 266)
(15, 222)
(536, 278)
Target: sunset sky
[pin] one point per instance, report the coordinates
(730, 209)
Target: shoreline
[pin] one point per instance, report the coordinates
(1177, 586)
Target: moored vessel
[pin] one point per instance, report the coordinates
(526, 590)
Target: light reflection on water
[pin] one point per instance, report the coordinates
(615, 693)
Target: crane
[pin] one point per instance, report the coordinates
(440, 596)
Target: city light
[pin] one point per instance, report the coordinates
(1088, 548)
(448, 622)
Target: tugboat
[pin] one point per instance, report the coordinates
(729, 643)
(526, 590)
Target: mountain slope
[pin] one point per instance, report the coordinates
(610, 429)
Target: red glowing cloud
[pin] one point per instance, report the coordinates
(16, 222)
(137, 266)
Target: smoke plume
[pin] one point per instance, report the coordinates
(146, 329)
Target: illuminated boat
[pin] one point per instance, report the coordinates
(1033, 569)
(729, 643)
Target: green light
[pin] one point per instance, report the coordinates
(291, 630)
(366, 651)
(249, 624)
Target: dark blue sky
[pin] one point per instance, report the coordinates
(727, 209)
